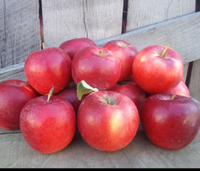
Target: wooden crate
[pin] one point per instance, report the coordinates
(141, 23)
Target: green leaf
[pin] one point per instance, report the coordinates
(84, 88)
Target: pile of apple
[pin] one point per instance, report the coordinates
(104, 92)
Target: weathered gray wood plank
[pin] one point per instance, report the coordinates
(143, 13)
(194, 85)
(64, 20)
(140, 153)
(19, 30)
(182, 34)
(4, 131)
(13, 72)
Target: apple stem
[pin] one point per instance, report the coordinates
(50, 94)
(163, 54)
(100, 52)
(106, 98)
(173, 96)
(43, 45)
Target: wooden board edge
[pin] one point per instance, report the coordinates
(13, 72)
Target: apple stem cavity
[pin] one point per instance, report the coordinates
(163, 54)
(50, 94)
(123, 44)
(101, 53)
(107, 99)
(173, 96)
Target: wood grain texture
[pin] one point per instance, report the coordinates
(194, 85)
(64, 20)
(182, 34)
(13, 72)
(140, 153)
(19, 30)
(143, 13)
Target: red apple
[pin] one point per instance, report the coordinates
(107, 120)
(169, 121)
(48, 126)
(70, 94)
(97, 66)
(126, 53)
(72, 46)
(14, 94)
(47, 68)
(180, 89)
(157, 69)
(132, 90)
